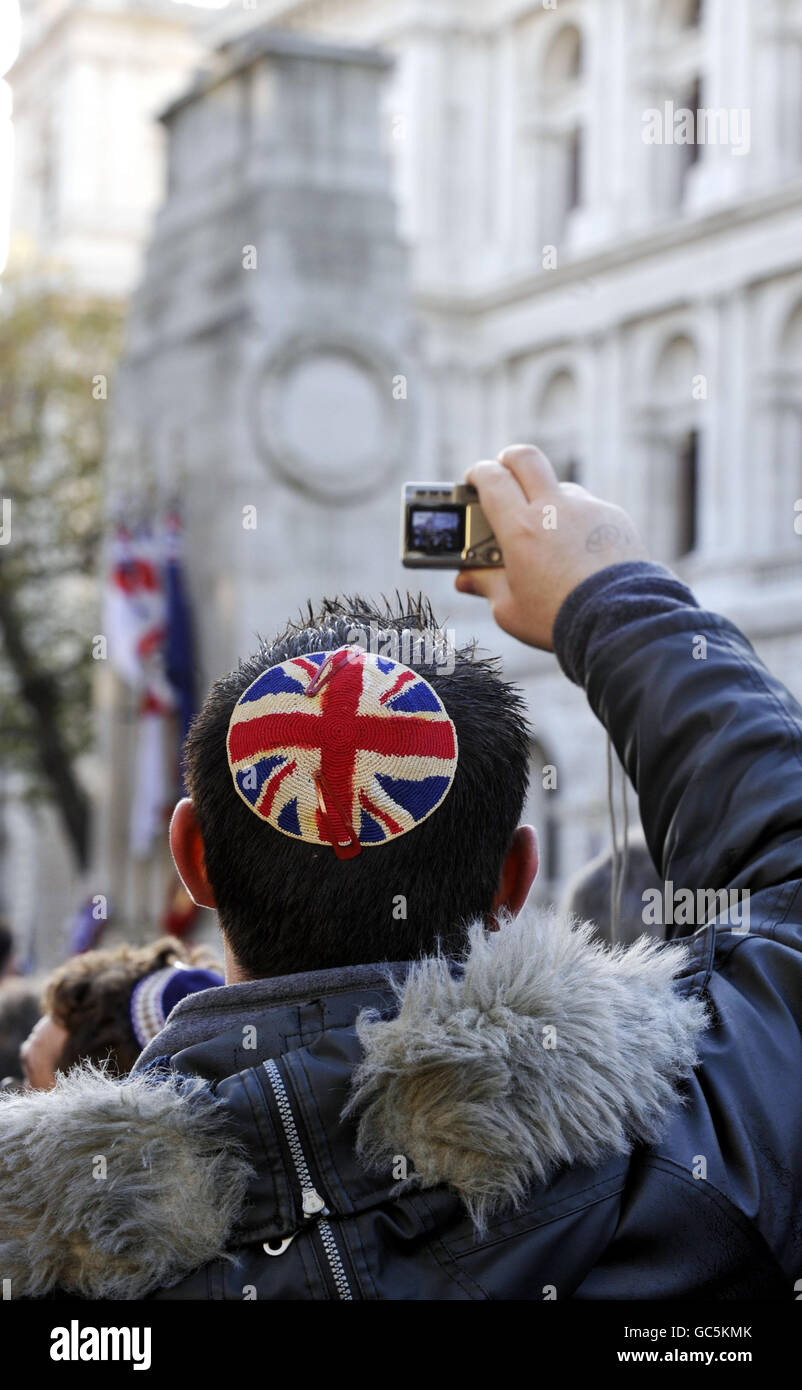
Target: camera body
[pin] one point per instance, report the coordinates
(443, 527)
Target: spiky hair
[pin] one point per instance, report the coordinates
(286, 905)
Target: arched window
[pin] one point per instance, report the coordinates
(687, 492)
(785, 484)
(677, 366)
(562, 128)
(692, 102)
(778, 56)
(557, 423)
(681, 151)
(775, 446)
(676, 93)
(675, 480)
(680, 14)
(791, 342)
(563, 62)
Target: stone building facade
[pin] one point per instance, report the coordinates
(88, 85)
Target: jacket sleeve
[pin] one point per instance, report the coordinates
(712, 742)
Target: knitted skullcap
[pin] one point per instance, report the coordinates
(153, 997)
(344, 748)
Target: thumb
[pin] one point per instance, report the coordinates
(484, 583)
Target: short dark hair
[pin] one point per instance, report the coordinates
(19, 1011)
(6, 945)
(286, 905)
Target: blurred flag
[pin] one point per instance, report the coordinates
(136, 614)
(149, 631)
(150, 803)
(180, 911)
(179, 649)
(136, 627)
(86, 928)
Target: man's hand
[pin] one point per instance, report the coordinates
(553, 536)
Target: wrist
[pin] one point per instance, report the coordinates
(604, 602)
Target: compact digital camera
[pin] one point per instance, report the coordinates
(444, 527)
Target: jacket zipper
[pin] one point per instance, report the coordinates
(311, 1201)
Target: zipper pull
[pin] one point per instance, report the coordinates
(313, 1204)
(277, 1247)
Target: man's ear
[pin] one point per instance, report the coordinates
(187, 847)
(517, 874)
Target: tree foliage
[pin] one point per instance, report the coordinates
(53, 347)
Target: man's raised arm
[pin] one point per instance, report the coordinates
(710, 739)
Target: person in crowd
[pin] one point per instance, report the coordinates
(104, 1006)
(415, 1084)
(7, 954)
(589, 894)
(19, 1012)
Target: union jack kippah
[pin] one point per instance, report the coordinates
(342, 748)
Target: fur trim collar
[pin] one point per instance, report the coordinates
(112, 1190)
(547, 1049)
(544, 1049)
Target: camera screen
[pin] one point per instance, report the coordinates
(437, 531)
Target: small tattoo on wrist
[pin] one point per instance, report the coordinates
(607, 536)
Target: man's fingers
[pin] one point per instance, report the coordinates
(531, 468)
(488, 473)
(499, 493)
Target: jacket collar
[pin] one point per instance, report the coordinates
(542, 1051)
(200, 1017)
(547, 1050)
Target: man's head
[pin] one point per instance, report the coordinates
(588, 894)
(87, 1010)
(286, 905)
(19, 1011)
